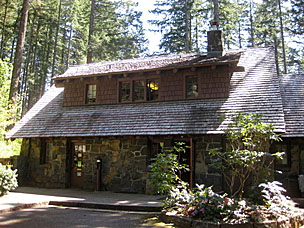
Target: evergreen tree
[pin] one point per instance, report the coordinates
(174, 22)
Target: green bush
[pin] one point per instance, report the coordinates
(8, 179)
(166, 170)
(201, 202)
(247, 155)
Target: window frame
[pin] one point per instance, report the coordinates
(198, 86)
(45, 155)
(132, 89)
(87, 86)
(152, 79)
(278, 147)
(119, 91)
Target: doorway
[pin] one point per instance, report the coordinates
(77, 165)
(186, 157)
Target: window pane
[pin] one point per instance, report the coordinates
(91, 94)
(124, 91)
(139, 90)
(152, 90)
(191, 87)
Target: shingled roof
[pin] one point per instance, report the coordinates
(255, 90)
(148, 64)
(292, 90)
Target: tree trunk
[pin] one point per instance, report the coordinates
(18, 55)
(3, 30)
(56, 40)
(69, 48)
(282, 37)
(187, 38)
(216, 10)
(90, 54)
(251, 25)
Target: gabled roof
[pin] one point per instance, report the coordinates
(292, 90)
(147, 64)
(255, 90)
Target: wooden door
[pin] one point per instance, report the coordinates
(77, 167)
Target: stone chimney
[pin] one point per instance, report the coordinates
(215, 36)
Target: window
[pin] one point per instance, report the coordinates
(91, 94)
(191, 87)
(285, 158)
(152, 90)
(139, 90)
(124, 91)
(46, 152)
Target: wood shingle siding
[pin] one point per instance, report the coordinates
(255, 90)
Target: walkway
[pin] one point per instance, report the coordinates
(25, 197)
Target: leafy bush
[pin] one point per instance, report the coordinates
(273, 196)
(8, 179)
(200, 202)
(166, 170)
(247, 156)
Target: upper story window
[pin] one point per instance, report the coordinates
(124, 91)
(91, 94)
(139, 90)
(152, 89)
(191, 87)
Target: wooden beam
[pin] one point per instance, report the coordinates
(237, 69)
(193, 69)
(175, 70)
(158, 72)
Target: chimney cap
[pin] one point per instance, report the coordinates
(214, 25)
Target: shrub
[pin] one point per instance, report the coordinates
(247, 156)
(8, 179)
(166, 170)
(201, 202)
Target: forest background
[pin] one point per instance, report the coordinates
(40, 39)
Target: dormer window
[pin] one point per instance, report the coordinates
(125, 91)
(191, 87)
(91, 94)
(138, 90)
(152, 89)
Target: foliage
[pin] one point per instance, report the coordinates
(273, 196)
(53, 42)
(249, 140)
(8, 179)
(166, 169)
(8, 148)
(200, 202)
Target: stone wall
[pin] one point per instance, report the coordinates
(124, 163)
(52, 174)
(204, 173)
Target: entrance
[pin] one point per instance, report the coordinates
(77, 165)
(186, 158)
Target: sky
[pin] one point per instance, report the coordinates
(154, 38)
